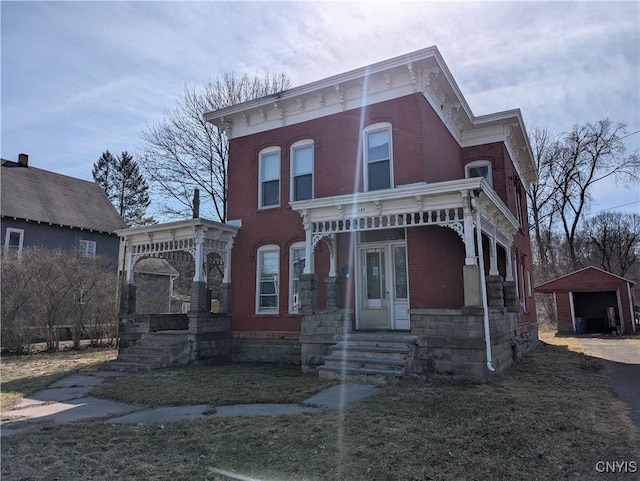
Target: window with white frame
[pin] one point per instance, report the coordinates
(296, 268)
(13, 239)
(302, 170)
(87, 248)
(479, 168)
(377, 157)
(529, 290)
(269, 185)
(267, 276)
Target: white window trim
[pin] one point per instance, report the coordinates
(293, 305)
(7, 236)
(373, 128)
(294, 146)
(480, 163)
(261, 249)
(261, 154)
(85, 252)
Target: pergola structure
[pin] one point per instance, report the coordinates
(199, 237)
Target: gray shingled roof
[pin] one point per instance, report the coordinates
(39, 195)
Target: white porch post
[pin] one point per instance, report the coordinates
(332, 255)
(509, 267)
(308, 243)
(227, 262)
(199, 254)
(469, 245)
(128, 261)
(493, 257)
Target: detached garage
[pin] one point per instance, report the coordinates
(590, 301)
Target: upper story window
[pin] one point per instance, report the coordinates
(267, 279)
(479, 168)
(87, 248)
(302, 170)
(13, 239)
(296, 268)
(269, 185)
(377, 157)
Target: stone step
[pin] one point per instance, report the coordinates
(376, 339)
(366, 363)
(151, 359)
(382, 352)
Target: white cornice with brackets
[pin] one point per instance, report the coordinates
(422, 72)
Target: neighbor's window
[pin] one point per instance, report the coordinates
(377, 157)
(269, 185)
(479, 168)
(13, 239)
(302, 170)
(87, 248)
(267, 279)
(296, 268)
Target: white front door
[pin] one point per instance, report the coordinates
(383, 294)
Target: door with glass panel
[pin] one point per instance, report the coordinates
(383, 295)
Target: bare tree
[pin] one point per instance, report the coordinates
(543, 210)
(184, 152)
(588, 154)
(615, 241)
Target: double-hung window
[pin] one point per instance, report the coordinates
(269, 194)
(87, 248)
(302, 170)
(267, 285)
(296, 268)
(377, 157)
(13, 239)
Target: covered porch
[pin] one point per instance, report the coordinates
(485, 228)
(202, 330)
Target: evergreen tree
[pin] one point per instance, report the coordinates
(125, 186)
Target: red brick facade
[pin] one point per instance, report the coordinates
(423, 151)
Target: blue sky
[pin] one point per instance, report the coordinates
(78, 78)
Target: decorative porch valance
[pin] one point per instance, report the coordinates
(199, 237)
(457, 204)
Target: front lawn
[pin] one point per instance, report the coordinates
(549, 417)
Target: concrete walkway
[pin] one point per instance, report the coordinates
(67, 401)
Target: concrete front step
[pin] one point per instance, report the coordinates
(369, 357)
(366, 363)
(380, 352)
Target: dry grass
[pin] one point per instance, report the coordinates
(571, 343)
(214, 384)
(24, 375)
(550, 417)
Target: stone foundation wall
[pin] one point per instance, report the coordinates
(133, 326)
(451, 342)
(210, 337)
(264, 349)
(318, 331)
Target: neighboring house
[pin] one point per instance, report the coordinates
(154, 278)
(590, 301)
(42, 208)
(383, 230)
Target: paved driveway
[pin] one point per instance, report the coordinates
(622, 362)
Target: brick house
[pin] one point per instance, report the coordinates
(378, 228)
(590, 301)
(375, 208)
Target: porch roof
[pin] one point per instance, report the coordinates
(441, 203)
